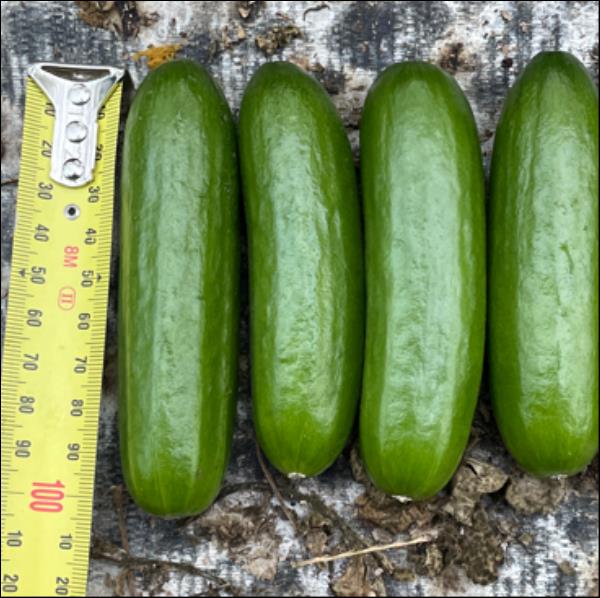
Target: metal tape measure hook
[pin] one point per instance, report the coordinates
(77, 94)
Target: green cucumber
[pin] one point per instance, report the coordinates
(423, 197)
(178, 293)
(305, 266)
(543, 265)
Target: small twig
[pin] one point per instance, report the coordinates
(275, 489)
(10, 182)
(121, 558)
(118, 504)
(320, 6)
(351, 553)
(350, 536)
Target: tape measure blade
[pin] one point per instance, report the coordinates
(53, 359)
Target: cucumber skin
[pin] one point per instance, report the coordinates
(423, 202)
(305, 266)
(178, 332)
(543, 264)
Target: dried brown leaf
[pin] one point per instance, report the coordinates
(232, 527)
(260, 558)
(529, 495)
(316, 541)
(395, 517)
(477, 549)
(245, 527)
(473, 479)
(358, 580)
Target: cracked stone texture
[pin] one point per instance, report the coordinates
(500, 532)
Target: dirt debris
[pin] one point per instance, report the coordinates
(124, 18)
(566, 568)
(525, 539)
(235, 519)
(477, 550)
(249, 10)
(470, 539)
(472, 480)
(333, 81)
(245, 525)
(486, 135)
(318, 534)
(454, 58)
(587, 481)
(384, 511)
(403, 574)
(434, 560)
(529, 495)
(359, 473)
(276, 38)
(466, 537)
(350, 107)
(304, 63)
(100, 15)
(359, 580)
(316, 541)
(232, 35)
(228, 37)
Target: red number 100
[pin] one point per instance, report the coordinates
(47, 497)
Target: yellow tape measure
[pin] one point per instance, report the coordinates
(54, 342)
